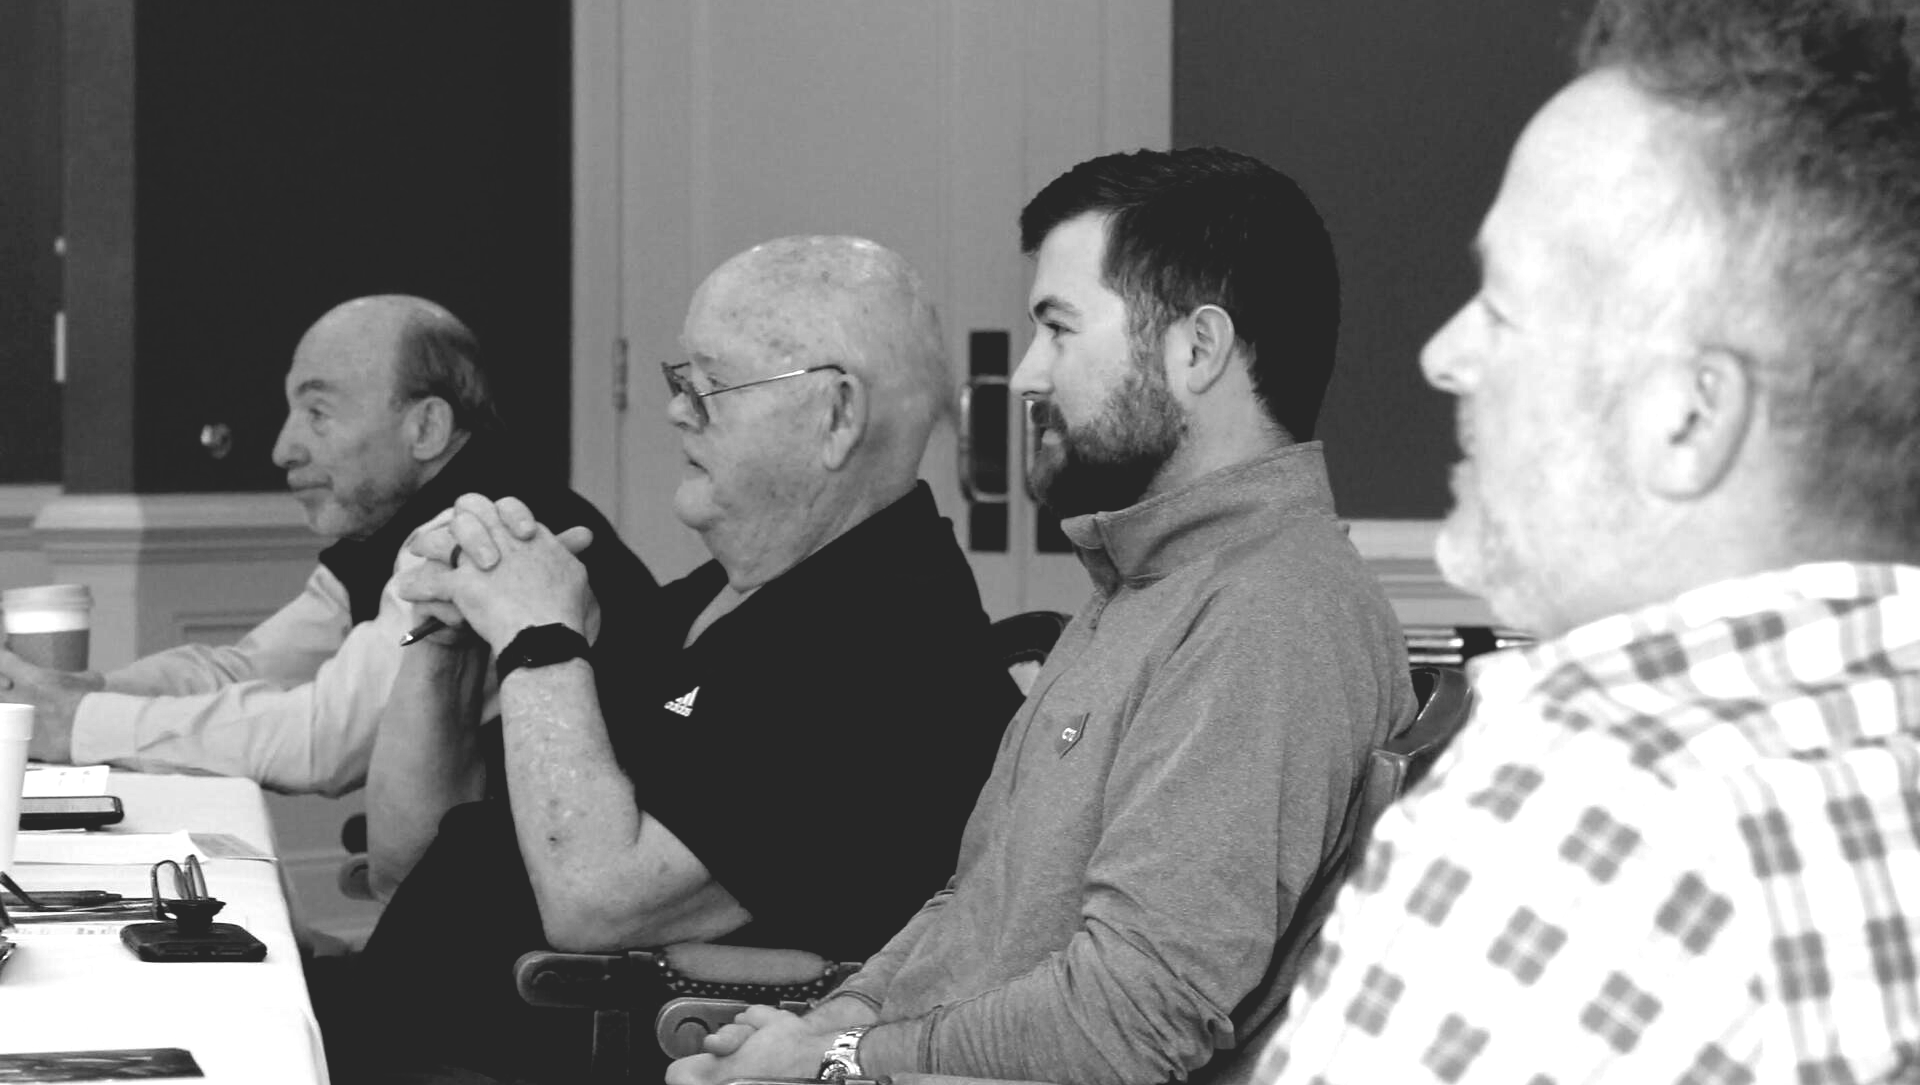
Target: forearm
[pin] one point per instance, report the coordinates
(868, 986)
(314, 737)
(426, 758)
(604, 874)
(1105, 1008)
(841, 1012)
(252, 729)
(184, 670)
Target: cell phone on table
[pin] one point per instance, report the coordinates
(70, 812)
(165, 942)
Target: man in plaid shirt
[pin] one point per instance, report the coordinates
(1680, 840)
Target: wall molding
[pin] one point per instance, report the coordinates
(19, 505)
(152, 529)
(1400, 553)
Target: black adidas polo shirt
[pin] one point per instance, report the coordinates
(819, 748)
(821, 745)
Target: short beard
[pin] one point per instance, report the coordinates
(1111, 462)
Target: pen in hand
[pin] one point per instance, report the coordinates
(422, 631)
(432, 625)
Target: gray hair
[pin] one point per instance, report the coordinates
(439, 356)
(1810, 141)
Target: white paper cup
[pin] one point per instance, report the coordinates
(49, 625)
(16, 730)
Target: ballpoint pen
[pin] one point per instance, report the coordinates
(432, 625)
(422, 631)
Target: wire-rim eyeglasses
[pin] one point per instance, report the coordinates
(680, 385)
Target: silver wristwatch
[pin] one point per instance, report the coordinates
(842, 1060)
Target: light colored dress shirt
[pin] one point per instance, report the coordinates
(294, 705)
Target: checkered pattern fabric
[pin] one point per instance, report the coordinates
(1676, 845)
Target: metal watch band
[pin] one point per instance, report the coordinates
(842, 1060)
(540, 646)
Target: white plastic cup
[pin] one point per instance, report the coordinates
(16, 730)
(49, 625)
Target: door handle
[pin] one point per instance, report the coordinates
(983, 444)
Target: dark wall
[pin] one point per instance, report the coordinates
(289, 156)
(1396, 116)
(29, 222)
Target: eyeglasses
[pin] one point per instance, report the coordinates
(680, 385)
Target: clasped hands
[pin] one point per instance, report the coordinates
(492, 568)
(761, 1043)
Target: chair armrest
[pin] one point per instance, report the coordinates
(355, 878)
(879, 1079)
(683, 1023)
(591, 981)
(697, 970)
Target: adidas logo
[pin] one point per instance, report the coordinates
(683, 704)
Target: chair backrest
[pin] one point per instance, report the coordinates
(1446, 701)
(1023, 641)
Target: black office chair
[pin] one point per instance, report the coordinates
(353, 876)
(1445, 700)
(1446, 703)
(1024, 640)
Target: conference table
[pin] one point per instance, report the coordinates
(75, 987)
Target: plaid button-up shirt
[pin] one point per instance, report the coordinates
(1676, 845)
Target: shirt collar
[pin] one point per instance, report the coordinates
(1612, 649)
(1146, 541)
(879, 540)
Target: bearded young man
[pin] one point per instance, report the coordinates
(1184, 768)
(1680, 839)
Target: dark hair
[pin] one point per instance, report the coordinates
(1209, 226)
(1811, 144)
(438, 356)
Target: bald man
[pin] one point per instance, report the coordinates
(834, 643)
(389, 418)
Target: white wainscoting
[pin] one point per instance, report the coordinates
(22, 561)
(1400, 553)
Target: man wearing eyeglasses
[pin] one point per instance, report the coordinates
(827, 675)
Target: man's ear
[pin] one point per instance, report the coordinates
(846, 421)
(1696, 415)
(1207, 350)
(429, 428)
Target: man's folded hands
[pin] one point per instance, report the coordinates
(491, 567)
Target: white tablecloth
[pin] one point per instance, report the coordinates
(243, 1022)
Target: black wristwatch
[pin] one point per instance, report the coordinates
(539, 646)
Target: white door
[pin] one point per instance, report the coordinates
(702, 128)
